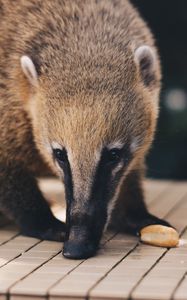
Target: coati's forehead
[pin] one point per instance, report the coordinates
(95, 120)
(92, 123)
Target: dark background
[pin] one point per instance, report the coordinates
(168, 21)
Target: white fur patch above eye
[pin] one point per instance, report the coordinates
(29, 70)
(116, 144)
(56, 145)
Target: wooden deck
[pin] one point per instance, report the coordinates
(123, 268)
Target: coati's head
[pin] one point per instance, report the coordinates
(94, 121)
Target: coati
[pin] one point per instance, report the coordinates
(79, 92)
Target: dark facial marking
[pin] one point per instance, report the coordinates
(85, 226)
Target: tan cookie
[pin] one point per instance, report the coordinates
(159, 235)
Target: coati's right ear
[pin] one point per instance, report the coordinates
(29, 70)
(145, 58)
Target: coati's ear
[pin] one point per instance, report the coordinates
(146, 60)
(29, 70)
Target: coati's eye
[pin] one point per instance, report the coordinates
(60, 155)
(114, 155)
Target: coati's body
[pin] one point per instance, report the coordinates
(86, 87)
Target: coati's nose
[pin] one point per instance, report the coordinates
(80, 243)
(78, 250)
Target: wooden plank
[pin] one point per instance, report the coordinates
(181, 290)
(15, 247)
(47, 275)
(64, 287)
(107, 261)
(123, 278)
(51, 272)
(155, 188)
(120, 281)
(26, 263)
(169, 199)
(25, 298)
(55, 277)
(161, 281)
(91, 270)
(67, 298)
(44, 277)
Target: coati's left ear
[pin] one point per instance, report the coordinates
(145, 58)
(29, 70)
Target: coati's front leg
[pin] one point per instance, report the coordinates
(131, 214)
(22, 201)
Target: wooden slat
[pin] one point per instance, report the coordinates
(161, 281)
(108, 262)
(64, 267)
(169, 199)
(26, 263)
(117, 272)
(14, 248)
(181, 291)
(93, 269)
(155, 188)
(50, 273)
(28, 298)
(44, 277)
(120, 281)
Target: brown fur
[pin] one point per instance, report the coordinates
(90, 90)
(101, 65)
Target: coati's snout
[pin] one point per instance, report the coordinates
(90, 190)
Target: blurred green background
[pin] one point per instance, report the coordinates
(168, 21)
